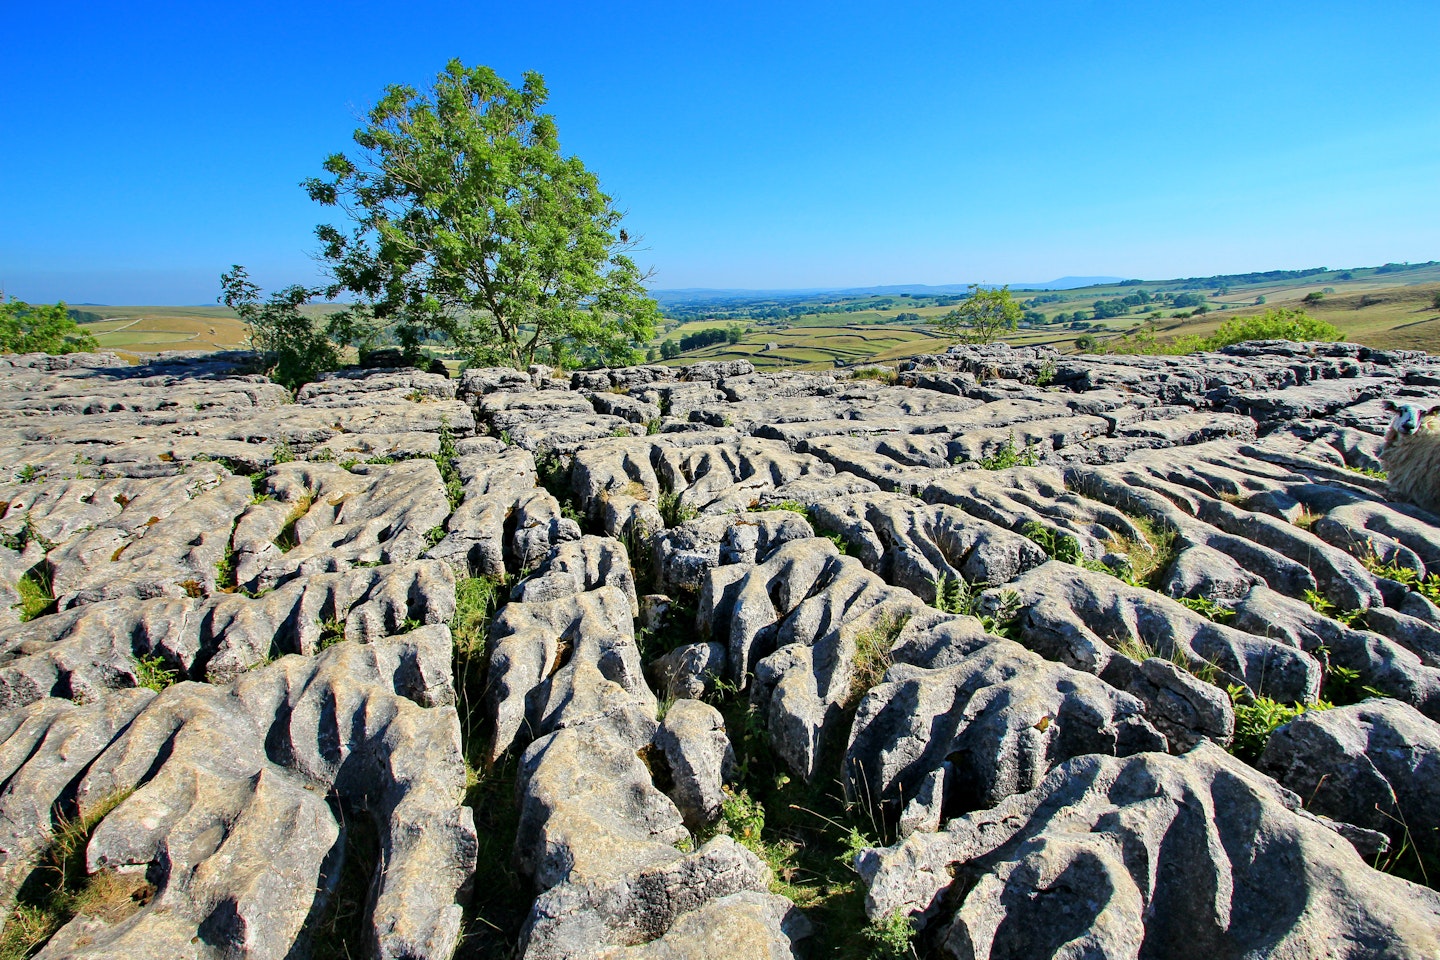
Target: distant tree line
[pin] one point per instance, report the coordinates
(671, 348)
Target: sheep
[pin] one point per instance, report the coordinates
(1411, 454)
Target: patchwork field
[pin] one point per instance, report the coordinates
(1394, 309)
(151, 329)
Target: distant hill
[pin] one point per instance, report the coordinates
(1067, 283)
(688, 295)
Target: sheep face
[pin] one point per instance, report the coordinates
(1409, 418)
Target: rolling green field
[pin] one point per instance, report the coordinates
(1383, 307)
(139, 330)
(1391, 309)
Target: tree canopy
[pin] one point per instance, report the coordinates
(468, 221)
(983, 317)
(40, 328)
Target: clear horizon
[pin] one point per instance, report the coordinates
(809, 147)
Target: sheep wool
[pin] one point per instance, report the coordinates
(1412, 460)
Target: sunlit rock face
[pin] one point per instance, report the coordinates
(1113, 656)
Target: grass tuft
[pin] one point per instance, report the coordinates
(59, 887)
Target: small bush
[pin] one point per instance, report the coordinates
(1429, 587)
(151, 673)
(1010, 455)
(673, 511)
(292, 348)
(890, 939)
(40, 328)
(1256, 717)
(1057, 546)
(743, 819)
(1277, 324)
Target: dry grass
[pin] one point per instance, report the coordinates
(59, 888)
(872, 653)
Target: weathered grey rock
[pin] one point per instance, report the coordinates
(558, 662)
(1378, 662)
(172, 552)
(742, 926)
(621, 405)
(690, 671)
(336, 518)
(1078, 617)
(698, 758)
(1239, 466)
(916, 545)
(717, 370)
(476, 382)
(44, 747)
(1001, 718)
(1190, 856)
(588, 809)
(92, 648)
(815, 610)
(239, 844)
(592, 917)
(1185, 708)
(1375, 764)
(684, 553)
(578, 566)
(408, 383)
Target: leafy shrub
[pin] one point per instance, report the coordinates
(1010, 455)
(150, 672)
(1256, 717)
(890, 938)
(1278, 324)
(1275, 324)
(673, 511)
(1057, 546)
(40, 328)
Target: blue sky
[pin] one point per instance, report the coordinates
(763, 145)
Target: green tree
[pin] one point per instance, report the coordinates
(983, 316)
(291, 348)
(1085, 343)
(469, 221)
(40, 328)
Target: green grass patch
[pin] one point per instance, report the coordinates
(502, 899)
(672, 511)
(288, 539)
(37, 597)
(872, 653)
(808, 835)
